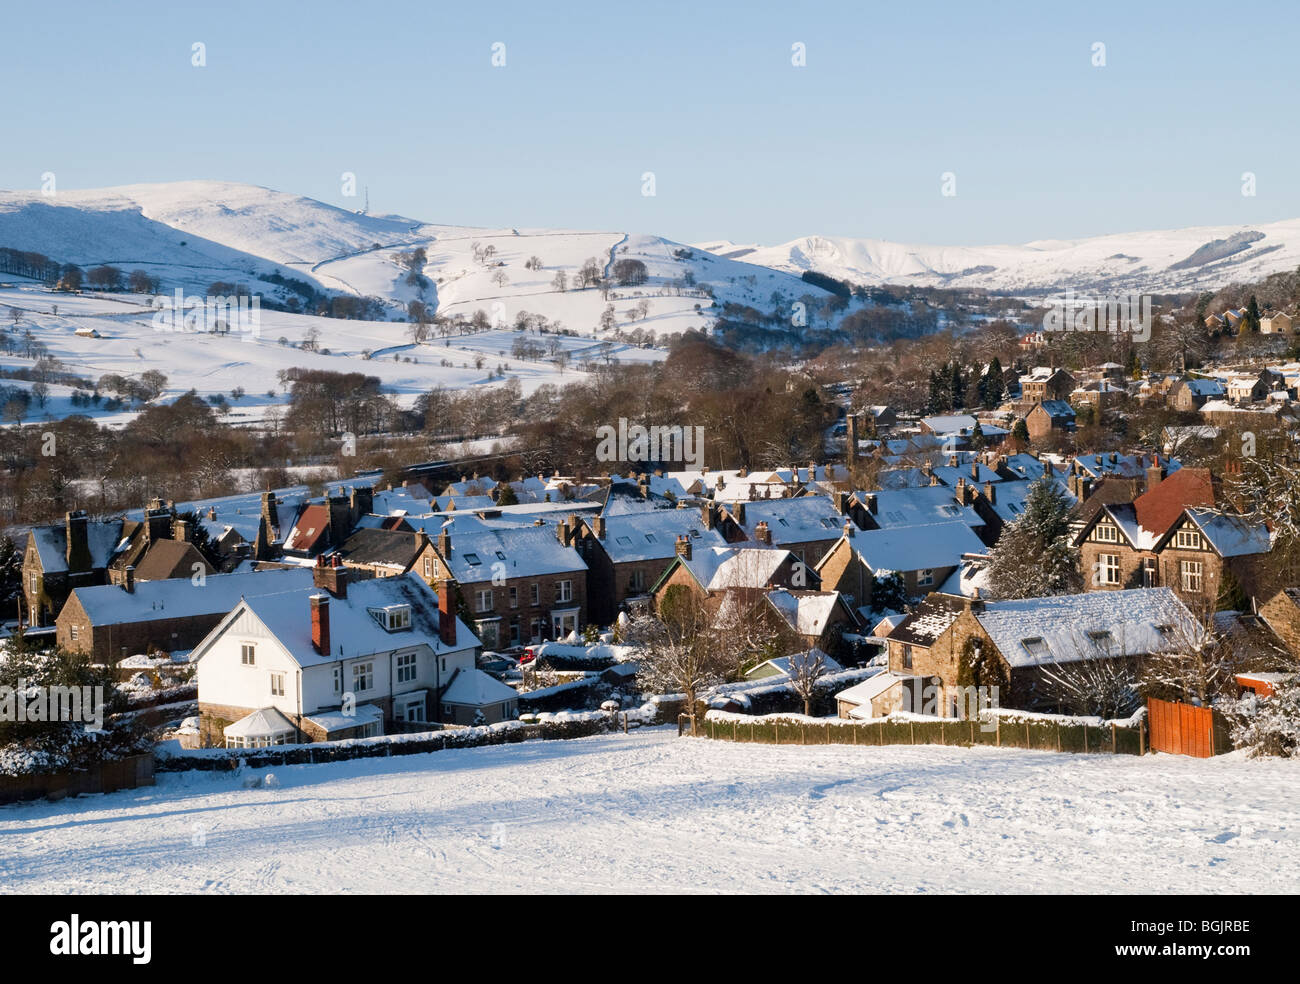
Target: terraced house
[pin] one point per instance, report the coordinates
(519, 584)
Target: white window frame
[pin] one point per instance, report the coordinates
(277, 684)
(363, 673)
(408, 667)
(925, 578)
(563, 591)
(1191, 575)
(1106, 533)
(248, 653)
(483, 601)
(535, 592)
(1110, 568)
(1188, 540)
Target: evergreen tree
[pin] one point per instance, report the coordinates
(1250, 323)
(977, 441)
(956, 385)
(1035, 556)
(1020, 434)
(994, 388)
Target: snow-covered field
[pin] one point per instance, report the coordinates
(649, 812)
(130, 343)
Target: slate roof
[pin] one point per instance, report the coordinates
(102, 538)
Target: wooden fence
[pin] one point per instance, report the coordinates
(108, 777)
(1182, 729)
(1044, 734)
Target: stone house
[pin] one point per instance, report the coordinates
(626, 553)
(61, 558)
(807, 526)
(1044, 383)
(520, 584)
(924, 555)
(109, 622)
(1048, 417)
(1172, 536)
(1189, 395)
(1018, 646)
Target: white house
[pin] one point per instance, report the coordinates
(336, 659)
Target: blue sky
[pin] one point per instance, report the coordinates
(743, 145)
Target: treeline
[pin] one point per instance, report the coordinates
(753, 413)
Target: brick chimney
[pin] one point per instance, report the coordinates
(841, 502)
(975, 470)
(320, 623)
(872, 502)
(331, 575)
(78, 536)
(762, 534)
(183, 531)
(128, 580)
(600, 527)
(157, 522)
(361, 502)
(961, 491)
(1155, 475)
(447, 612)
(849, 528)
(683, 549)
(990, 493)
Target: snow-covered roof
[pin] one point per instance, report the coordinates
(523, 551)
(333, 721)
(807, 612)
(918, 506)
(109, 604)
(103, 539)
(969, 580)
(954, 423)
(1009, 497)
(1067, 628)
(719, 568)
(652, 534)
(871, 688)
(914, 548)
(1204, 387)
(354, 630)
(476, 688)
(1231, 536)
(803, 520)
(262, 723)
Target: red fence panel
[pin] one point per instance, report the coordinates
(1181, 729)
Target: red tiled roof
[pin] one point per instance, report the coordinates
(310, 529)
(1159, 508)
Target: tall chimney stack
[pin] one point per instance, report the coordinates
(447, 612)
(320, 623)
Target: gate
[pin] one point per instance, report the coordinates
(1181, 729)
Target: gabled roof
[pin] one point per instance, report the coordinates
(1058, 409)
(171, 558)
(354, 629)
(310, 531)
(1159, 508)
(740, 566)
(102, 538)
(381, 547)
(522, 551)
(806, 612)
(262, 723)
(918, 505)
(930, 620)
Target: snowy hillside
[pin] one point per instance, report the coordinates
(193, 233)
(1182, 259)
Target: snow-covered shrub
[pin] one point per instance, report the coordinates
(1267, 725)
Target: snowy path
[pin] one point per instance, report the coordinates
(649, 812)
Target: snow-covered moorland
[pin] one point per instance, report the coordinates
(649, 812)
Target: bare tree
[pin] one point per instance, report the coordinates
(805, 669)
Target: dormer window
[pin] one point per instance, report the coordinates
(393, 618)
